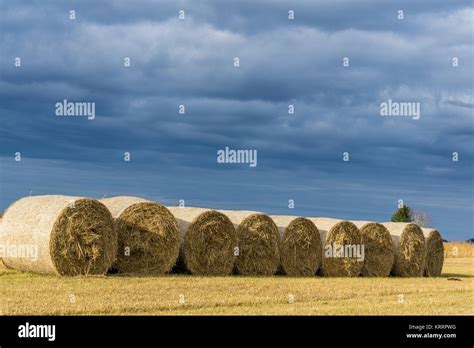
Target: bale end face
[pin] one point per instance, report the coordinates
(434, 254)
(83, 239)
(343, 251)
(259, 246)
(378, 246)
(411, 253)
(209, 245)
(148, 239)
(301, 248)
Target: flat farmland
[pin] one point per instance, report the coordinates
(24, 293)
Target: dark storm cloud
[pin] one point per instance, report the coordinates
(283, 62)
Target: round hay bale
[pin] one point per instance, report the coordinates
(148, 235)
(1, 261)
(259, 243)
(342, 247)
(300, 245)
(378, 249)
(409, 249)
(434, 252)
(208, 240)
(70, 235)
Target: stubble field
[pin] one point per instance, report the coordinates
(32, 294)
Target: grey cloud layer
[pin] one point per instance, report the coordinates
(299, 62)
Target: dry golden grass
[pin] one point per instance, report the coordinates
(458, 249)
(32, 294)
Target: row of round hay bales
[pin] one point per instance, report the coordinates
(79, 236)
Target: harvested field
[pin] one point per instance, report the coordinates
(23, 293)
(458, 249)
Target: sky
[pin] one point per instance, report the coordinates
(282, 62)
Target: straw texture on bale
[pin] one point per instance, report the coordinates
(148, 235)
(259, 243)
(434, 252)
(409, 249)
(1, 261)
(301, 250)
(378, 249)
(208, 241)
(336, 234)
(71, 235)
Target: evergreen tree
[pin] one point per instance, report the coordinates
(403, 214)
